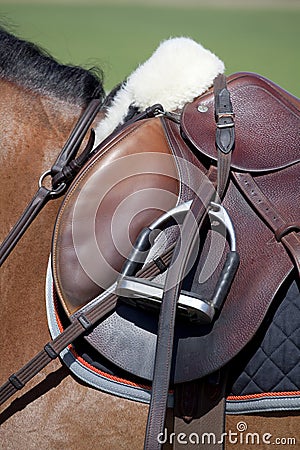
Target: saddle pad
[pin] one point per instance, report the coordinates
(271, 360)
(266, 375)
(262, 377)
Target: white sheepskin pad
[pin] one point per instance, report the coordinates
(177, 72)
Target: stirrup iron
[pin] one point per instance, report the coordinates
(148, 294)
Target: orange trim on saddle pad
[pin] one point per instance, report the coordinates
(263, 395)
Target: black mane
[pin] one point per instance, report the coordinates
(31, 67)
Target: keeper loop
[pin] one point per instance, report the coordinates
(16, 382)
(84, 321)
(286, 229)
(50, 351)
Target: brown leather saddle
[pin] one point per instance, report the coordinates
(153, 223)
(122, 186)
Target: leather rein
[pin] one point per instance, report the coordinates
(62, 173)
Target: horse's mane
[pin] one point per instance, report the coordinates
(27, 65)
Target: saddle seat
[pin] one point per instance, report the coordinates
(149, 168)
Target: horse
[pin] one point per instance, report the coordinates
(42, 100)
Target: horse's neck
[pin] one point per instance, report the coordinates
(33, 130)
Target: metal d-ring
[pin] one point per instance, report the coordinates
(54, 192)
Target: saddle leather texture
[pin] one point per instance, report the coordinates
(262, 199)
(266, 124)
(90, 239)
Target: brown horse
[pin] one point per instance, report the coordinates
(40, 103)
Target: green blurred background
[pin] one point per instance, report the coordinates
(117, 35)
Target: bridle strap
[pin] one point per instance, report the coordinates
(37, 203)
(75, 139)
(62, 173)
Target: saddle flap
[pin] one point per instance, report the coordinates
(267, 124)
(128, 183)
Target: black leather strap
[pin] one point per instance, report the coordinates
(75, 139)
(225, 135)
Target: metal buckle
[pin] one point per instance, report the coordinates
(53, 192)
(228, 115)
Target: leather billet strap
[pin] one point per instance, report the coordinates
(62, 173)
(225, 135)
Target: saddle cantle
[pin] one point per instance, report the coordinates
(158, 156)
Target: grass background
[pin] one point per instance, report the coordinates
(118, 36)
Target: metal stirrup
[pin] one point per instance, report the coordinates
(145, 293)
